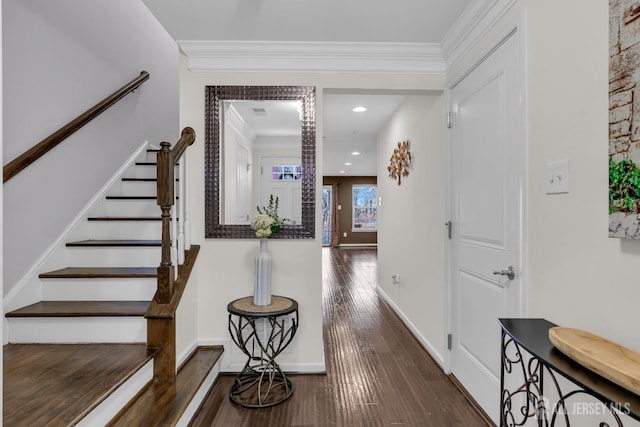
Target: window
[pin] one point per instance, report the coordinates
(365, 211)
(286, 173)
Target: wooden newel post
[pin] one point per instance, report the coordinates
(165, 191)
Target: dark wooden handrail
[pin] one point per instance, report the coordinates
(15, 166)
(167, 159)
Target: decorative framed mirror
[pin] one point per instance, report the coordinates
(260, 141)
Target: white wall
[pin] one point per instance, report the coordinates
(576, 275)
(411, 218)
(61, 58)
(225, 266)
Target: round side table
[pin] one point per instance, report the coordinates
(262, 333)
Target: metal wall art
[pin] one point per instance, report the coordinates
(400, 161)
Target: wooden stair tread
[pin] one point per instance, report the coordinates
(134, 197)
(114, 243)
(151, 163)
(58, 384)
(140, 179)
(82, 309)
(125, 218)
(100, 272)
(131, 197)
(163, 403)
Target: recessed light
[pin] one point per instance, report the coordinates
(348, 164)
(359, 109)
(355, 153)
(342, 171)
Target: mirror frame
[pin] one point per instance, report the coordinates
(214, 95)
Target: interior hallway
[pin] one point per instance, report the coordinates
(377, 373)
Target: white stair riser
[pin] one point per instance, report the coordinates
(137, 188)
(112, 230)
(57, 330)
(129, 289)
(145, 171)
(151, 157)
(114, 257)
(128, 208)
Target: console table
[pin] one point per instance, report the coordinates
(262, 333)
(534, 387)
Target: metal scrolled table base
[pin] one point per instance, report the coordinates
(262, 336)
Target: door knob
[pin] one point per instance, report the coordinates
(508, 272)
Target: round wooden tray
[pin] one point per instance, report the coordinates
(607, 359)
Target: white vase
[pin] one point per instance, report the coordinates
(262, 283)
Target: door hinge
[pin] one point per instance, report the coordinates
(449, 120)
(449, 339)
(449, 226)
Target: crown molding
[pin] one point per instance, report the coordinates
(331, 57)
(475, 20)
(238, 123)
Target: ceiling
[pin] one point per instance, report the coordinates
(346, 131)
(407, 21)
(335, 21)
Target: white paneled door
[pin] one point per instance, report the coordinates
(282, 178)
(487, 147)
(243, 192)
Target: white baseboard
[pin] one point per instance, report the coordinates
(293, 368)
(229, 366)
(435, 355)
(358, 245)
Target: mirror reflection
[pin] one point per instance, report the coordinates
(259, 141)
(260, 156)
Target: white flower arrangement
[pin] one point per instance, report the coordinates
(267, 222)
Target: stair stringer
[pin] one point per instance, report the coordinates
(28, 290)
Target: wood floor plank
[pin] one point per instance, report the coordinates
(58, 384)
(377, 372)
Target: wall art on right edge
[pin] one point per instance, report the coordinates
(624, 118)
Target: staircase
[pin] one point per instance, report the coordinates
(100, 294)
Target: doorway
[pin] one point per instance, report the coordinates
(327, 213)
(487, 160)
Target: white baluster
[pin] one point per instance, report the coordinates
(187, 219)
(181, 193)
(174, 240)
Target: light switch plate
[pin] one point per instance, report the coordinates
(557, 177)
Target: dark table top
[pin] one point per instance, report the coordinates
(533, 336)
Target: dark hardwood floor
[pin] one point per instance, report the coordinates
(59, 384)
(377, 373)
